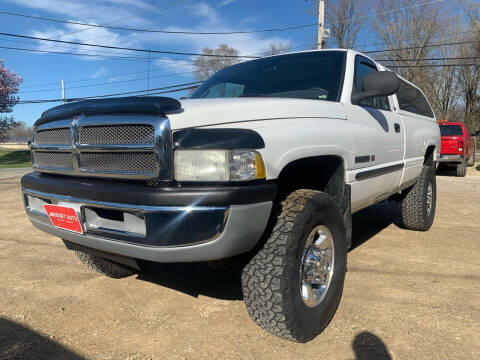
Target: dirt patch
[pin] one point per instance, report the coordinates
(408, 295)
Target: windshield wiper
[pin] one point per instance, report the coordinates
(254, 95)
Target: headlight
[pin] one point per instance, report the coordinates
(218, 165)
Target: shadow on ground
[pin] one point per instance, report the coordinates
(223, 282)
(368, 346)
(20, 342)
(197, 279)
(372, 220)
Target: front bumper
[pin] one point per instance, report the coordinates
(451, 158)
(179, 224)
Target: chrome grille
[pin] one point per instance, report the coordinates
(57, 160)
(54, 137)
(134, 147)
(118, 162)
(117, 134)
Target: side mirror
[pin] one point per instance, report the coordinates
(380, 83)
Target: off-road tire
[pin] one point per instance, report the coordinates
(461, 169)
(271, 280)
(105, 267)
(414, 202)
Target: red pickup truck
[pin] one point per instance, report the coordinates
(458, 146)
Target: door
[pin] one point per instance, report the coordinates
(378, 143)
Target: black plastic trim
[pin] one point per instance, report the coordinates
(139, 194)
(362, 159)
(377, 172)
(153, 105)
(217, 139)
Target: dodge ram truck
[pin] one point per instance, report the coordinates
(268, 158)
(457, 147)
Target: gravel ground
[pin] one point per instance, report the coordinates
(408, 295)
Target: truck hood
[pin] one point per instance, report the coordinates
(207, 112)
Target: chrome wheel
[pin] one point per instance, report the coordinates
(429, 198)
(316, 269)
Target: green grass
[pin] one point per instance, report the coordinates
(15, 159)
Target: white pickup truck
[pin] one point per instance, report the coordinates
(269, 157)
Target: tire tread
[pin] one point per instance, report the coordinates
(105, 267)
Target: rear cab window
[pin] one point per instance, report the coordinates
(451, 130)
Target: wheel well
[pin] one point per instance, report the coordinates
(429, 154)
(324, 173)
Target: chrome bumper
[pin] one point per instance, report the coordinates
(451, 158)
(169, 233)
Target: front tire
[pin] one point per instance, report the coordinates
(419, 203)
(307, 247)
(104, 266)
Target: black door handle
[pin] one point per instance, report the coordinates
(397, 127)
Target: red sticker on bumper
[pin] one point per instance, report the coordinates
(64, 218)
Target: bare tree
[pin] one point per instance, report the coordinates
(206, 66)
(346, 19)
(443, 85)
(407, 33)
(470, 75)
(21, 131)
(277, 48)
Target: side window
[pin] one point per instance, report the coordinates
(412, 100)
(364, 66)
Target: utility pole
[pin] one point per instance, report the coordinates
(63, 91)
(321, 24)
(148, 73)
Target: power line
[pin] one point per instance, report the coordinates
(190, 72)
(107, 57)
(192, 85)
(109, 95)
(422, 47)
(431, 65)
(106, 83)
(125, 48)
(105, 77)
(282, 29)
(431, 59)
(289, 28)
(389, 11)
(405, 39)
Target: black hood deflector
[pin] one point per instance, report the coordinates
(149, 105)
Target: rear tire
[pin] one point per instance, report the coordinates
(461, 170)
(471, 160)
(419, 202)
(105, 267)
(274, 281)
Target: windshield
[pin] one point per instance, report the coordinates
(451, 130)
(310, 75)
